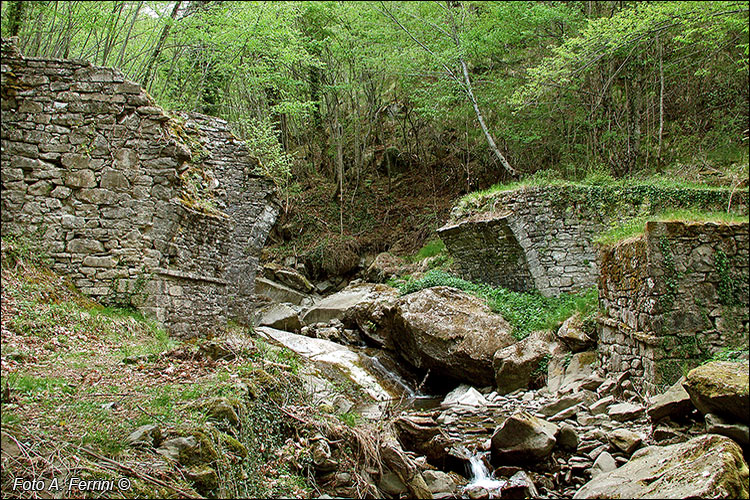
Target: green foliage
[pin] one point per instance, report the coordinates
(729, 354)
(350, 418)
(731, 287)
(526, 312)
(635, 226)
(24, 249)
(430, 249)
(540, 372)
(128, 294)
(671, 277)
(261, 138)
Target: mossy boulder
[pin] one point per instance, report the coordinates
(203, 477)
(721, 387)
(708, 466)
(190, 447)
(449, 332)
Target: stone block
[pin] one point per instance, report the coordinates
(84, 246)
(112, 179)
(106, 262)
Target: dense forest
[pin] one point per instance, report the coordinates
(457, 249)
(338, 99)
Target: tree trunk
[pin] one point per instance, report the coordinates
(340, 168)
(127, 37)
(15, 17)
(661, 98)
(510, 170)
(159, 45)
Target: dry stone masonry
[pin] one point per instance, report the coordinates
(132, 203)
(672, 297)
(542, 238)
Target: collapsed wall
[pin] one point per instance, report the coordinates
(671, 298)
(542, 238)
(132, 204)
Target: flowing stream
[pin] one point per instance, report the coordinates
(480, 475)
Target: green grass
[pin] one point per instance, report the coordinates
(540, 179)
(430, 249)
(636, 226)
(526, 312)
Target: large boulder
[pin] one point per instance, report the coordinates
(281, 317)
(720, 387)
(717, 425)
(288, 277)
(674, 403)
(517, 365)
(422, 435)
(573, 334)
(571, 374)
(280, 293)
(370, 315)
(450, 333)
(335, 306)
(708, 466)
(523, 438)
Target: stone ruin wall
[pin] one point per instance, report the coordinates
(542, 238)
(671, 298)
(94, 172)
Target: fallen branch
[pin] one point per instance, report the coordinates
(135, 473)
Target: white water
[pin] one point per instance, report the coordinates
(480, 475)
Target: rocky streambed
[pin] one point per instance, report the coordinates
(462, 399)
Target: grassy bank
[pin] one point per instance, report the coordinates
(79, 378)
(526, 312)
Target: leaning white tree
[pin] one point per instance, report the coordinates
(454, 15)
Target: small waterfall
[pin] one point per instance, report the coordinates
(396, 382)
(480, 475)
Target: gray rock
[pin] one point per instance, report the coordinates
(565, 414)
(717, 425)
(145, 435)
(439, 482)
(519, 485)
(602, 405)
(336, 305)
(177, 448)
(568, 437)
(464, 395)
(391, 484)
(523, 438)
(674, 403)
(278, 292)
(622, 412)
(708, 466)
(721, 387)
(564, 379)
(294, 279)
(604, 463)
(664, 433)
(324, 287)
(281, 317)
(449, 332)
(371, 315)
(517, 365)
(625, 440)
(572, 334)
(564, 403)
